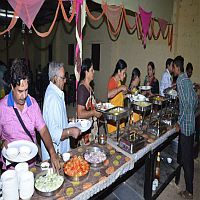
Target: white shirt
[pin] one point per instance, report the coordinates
(165, 82)
(55, 117)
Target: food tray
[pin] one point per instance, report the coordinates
(95, 150)
(47, 194)
(158, 100)
(170, 93)
(117, 113)
(142, 106)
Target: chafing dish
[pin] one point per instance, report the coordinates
(116, 113)
(170, 93)
(142, 106)
(158, 100)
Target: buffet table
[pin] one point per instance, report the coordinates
(119, 163)
(98, 178)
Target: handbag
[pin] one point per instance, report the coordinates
(38, 158)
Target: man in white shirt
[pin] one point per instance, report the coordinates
(54, 111)
(166, 80)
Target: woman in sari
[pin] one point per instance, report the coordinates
(151, 80)
(116, 90)
(85, 99)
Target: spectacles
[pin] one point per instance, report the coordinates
(63, 78)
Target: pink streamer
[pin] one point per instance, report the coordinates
(146, 19)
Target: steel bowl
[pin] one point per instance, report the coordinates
(47, 194)
(77, 177)
(95, 149)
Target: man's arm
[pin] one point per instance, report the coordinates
(44, 133)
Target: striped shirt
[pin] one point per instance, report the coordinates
(188, 102)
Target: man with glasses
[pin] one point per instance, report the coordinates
(54, 111)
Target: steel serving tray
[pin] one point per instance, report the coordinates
(142, 106)
(158, 100)
(116, 113)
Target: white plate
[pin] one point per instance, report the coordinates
(78, 124)
(145, 87)
(139, 97)
(17, 144)
(104, 106)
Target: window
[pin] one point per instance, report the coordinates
(96, 56)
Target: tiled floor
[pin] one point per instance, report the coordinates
(126, 192)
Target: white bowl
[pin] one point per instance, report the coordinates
(66, 156)
(12, 152)
(83, 123)
(45, 166)
(24, 151)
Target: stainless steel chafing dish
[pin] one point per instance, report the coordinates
(170, 93)
(158, 100)
(142, 106)
(116, 113)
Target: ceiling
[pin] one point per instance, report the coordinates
(47, 11)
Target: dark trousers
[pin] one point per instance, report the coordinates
(187, 160)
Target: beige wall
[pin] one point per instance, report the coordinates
(187, 29)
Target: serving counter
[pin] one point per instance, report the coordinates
(118, 167)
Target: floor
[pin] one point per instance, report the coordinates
(125, 191)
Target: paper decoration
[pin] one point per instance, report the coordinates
(163, 25)
(26, 9)
(146, 19)
(113, 14)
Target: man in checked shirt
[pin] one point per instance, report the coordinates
(188, 102)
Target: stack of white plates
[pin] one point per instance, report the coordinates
(26, 186)
(10, 185)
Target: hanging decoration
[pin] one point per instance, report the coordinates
(80, 23)
(11, 25)
(146, 19)
(163, 25)
(129, 27)
(143, 24)
(26, 10)
(45, 34)
(114, 18)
